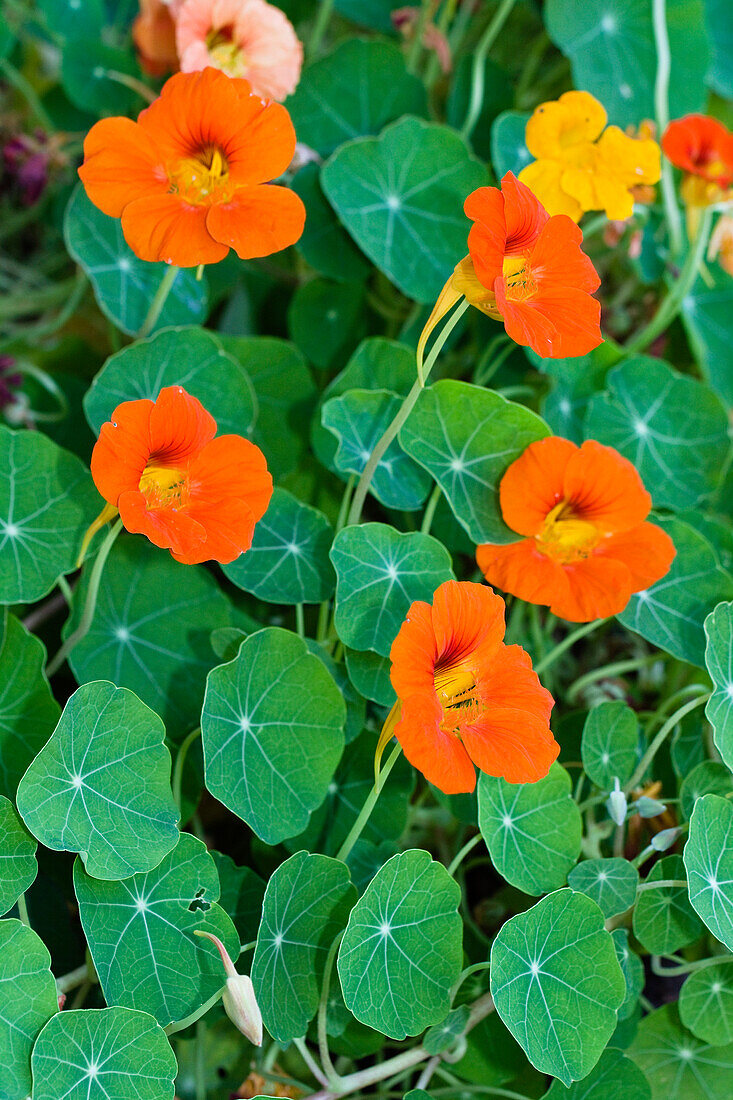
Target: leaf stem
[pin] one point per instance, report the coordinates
(659, 740)
(177, 781)
(325, 11)
(568, 641)
(181, 1025)
(325, 1054)
(28, 92)
(463, 852)
(661, 110)
(311, 1063)
(429, 514)
(300, 620)
(403, 413)
(90, 603)
(23, 913)
(662, 884)
(159, 299)
(479, 59)
(616, 668)
(369, 804)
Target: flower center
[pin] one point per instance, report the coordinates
(565, 537)
(455, 688)
(164, 486)
(203, 178)
(225, 51)
(518, 279)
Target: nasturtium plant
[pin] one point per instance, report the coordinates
(366, 551)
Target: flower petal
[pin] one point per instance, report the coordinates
(179, 427)
(559, 125)
(440, 756)
(165, 228)
(545, 179)
(229, 525)
(509, 682)
(230, 468)
(511, 744)
(121, 163)
(414, 653)
(520, 569)
(467, 620)
(558, 261)
(122, 450)
(534, 484)
(258, 221)
(597, 587)
(605, 488)
(168, 528)
(647, 551)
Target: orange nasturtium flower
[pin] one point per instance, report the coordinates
(464, 698)
(703, 148)
(586, 547)
(528, 270)
(581, 166)
(189, 179)
(159, 465)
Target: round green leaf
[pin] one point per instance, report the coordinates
(324, 244)
(708, 777)
(190, 357)
(706, 314)
(632, 969)
(402, 950)
(574, 382)
(158, 648)
(678, 1065)
(28, 710)
(379, 574)
(611, 883)
(101, 785)
(442, 1036)
(28, 998)
(610, 744)
(557, 984)
(124, 286)
(532, 830)
(355, 704)
(359, 419)
(706, 1004)
(47, 501)
(369, 674)
(663, 918)
(103, 1054)
(325, 320)
(719, 20)
(615, 1077)
(708, 857)
(18, 867)
(73, 18)
(288, 561)
(401, 197)
(670, 614)
(673, 428)
(242, 894)
(509, 152)
(85, 68)
(719, 663)
(140, 932)
(283, 409)
(355, 90)
(613, 55)
(306, 905)
(272, 729)
(467, 437)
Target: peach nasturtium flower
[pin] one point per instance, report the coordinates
(581, 166)
(154, 35)
(586, 547)
(528, 270)
(466, 698)
(159, 465)
(703, 148)
(243, 38)
(189, 178)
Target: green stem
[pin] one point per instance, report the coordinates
(369, 804)
(403, 413)
(345, 503)
(661, 110)
(181, 1025)
(201, 1067)
(617, 668)
(323, 1050)
(461, 855)
(300, 620)
(89, 604)
(311, 1063)
(132, 83)
(474, 968)
(429, 514)
(325, 11)
(26, 89)
(659, 740)
(671, 305)
(177, 781)
(685, 968)
(662, 884)
(23, 912)
(159, 299)
(479, 59)
(567, 643)
(413, 54)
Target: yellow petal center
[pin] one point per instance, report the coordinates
(164, 486)
(520, 283)
(565, 538)
(202, 179)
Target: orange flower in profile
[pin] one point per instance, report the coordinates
(189, 179)
(159, 465)
(243, 38)
(528, 270)
(587, 546)
(703, 148)
(154, 35)
(464, 697)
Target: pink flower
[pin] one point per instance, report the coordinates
(243, 38)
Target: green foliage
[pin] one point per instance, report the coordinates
(706, 1004)
(610, 744)
(663, 918)
(708, 860)
(719, 663)
(28, 711)
(401, 952)
(28, 994)
(324, 244)
(140, 933)
(556, 983)
(18, 867)
(615, 1077)
(676, 1062)
(400, 197)
(611, 883)
(272, 729)
(306, 905)
(532, 830)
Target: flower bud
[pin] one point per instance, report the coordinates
(649, 807)
(616, 804)
(238, 998)
(664, 840)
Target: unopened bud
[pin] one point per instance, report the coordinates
(616, 804)
(664, 840)
(649, 807)
(238, 998)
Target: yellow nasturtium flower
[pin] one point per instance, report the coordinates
(581, 166)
